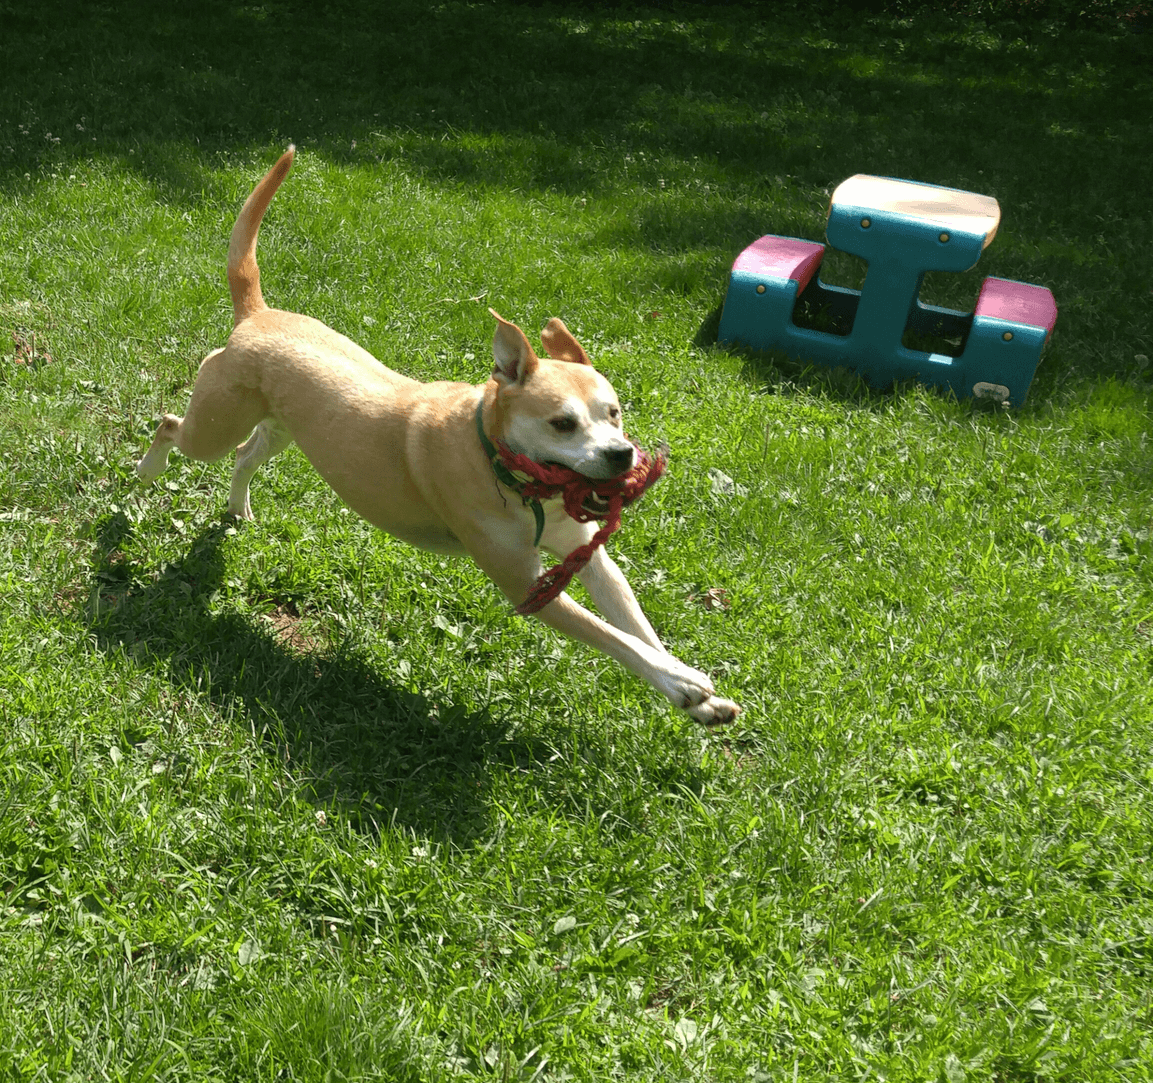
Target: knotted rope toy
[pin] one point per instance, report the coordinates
(585, 499)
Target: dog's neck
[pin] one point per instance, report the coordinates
(515, 482)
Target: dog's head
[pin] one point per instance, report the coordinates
(557, 409)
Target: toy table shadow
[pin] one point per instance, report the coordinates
(902, 229)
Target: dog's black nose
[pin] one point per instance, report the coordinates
(619, 459)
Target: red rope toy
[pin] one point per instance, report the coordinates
(585, 499)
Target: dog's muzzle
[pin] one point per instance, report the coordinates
(619, 460)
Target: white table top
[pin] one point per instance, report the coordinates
(948, 208)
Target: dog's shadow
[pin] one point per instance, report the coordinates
(384, 753)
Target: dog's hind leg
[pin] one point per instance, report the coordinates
(156, 458)
(220, 414)
(268, 439)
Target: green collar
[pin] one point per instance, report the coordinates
(504, 475)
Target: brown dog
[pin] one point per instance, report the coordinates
(407, 455)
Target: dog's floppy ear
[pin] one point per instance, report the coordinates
(513, 356)
(560, 345)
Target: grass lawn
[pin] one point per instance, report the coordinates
(293, 801)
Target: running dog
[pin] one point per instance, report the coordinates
(410, 457)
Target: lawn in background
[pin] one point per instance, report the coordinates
(291, 800)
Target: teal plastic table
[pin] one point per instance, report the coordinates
(902, 229)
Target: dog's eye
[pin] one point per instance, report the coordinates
(614, 412)
(563, 424)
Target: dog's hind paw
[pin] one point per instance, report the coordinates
(156, 458)
(149, 469)
(241, 510)
(714, 711)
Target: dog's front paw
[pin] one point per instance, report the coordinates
(684, 686)
(692, 691)
(714, 711)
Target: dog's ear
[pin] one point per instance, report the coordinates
(560, 344)
(514, 359)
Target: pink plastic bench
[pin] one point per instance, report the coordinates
(1017, 302)
(781, 257)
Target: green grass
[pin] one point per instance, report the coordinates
(290, 800)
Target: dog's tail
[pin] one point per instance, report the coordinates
(243, 273)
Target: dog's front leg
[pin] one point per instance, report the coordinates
(603, 579)
(515, 570)
(683, 686)
(614, 598)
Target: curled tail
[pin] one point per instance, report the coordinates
(243, 273)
